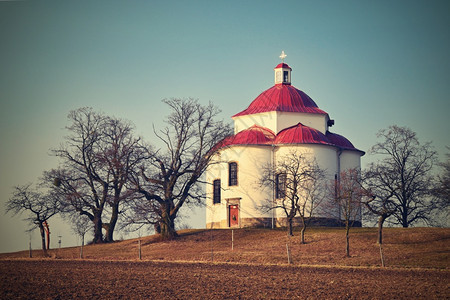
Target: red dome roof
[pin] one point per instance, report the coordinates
(255, 135)
(300, 134)
(283, 65)
(339, 141)
(297, 134)
(284, 98)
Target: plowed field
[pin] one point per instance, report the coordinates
(88, 279)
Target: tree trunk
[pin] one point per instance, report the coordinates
(167, 225)
(380, 228)
(303, 230)
(98, 225)
(347, 241)
(404, 216)
(157, 227)
(47, 233)
(290, 228)
(42, 231)
(82, 244)
(112, 223)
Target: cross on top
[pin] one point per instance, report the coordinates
(283, 56)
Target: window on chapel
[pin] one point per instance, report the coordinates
(232, 174)
(285, 76)
(216, 191)
(280, 185)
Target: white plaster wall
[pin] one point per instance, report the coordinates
(266, 119)
(288, 119)
(251, 160)
(326, 158)
(277, 121)
(350, 160)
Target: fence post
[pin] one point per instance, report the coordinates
(288, 254)
(232, 239)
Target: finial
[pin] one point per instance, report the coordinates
(282, 56)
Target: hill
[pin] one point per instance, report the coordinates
(403, 247)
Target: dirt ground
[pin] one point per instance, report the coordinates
(89, 279)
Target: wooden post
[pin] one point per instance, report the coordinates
(212, 251)
(288, 254)
(140, 252)
(232, 239)
(31, 254)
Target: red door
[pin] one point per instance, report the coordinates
(233, 215)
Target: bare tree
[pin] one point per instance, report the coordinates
(442, 193)
(171, 177)
(296, 180)
(347, 195)
(81, 225)
(404, 170)
(379, 198)
(96, 160)
(315, 195)
(41, 206)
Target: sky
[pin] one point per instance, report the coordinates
(368, 64)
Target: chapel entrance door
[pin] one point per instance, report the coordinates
(233, 215)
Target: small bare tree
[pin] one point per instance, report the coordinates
(347, 196)
(41, 206)
(170, 178)
(81, 225)
(296, 180)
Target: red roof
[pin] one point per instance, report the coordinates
(300, 134)
(339, 140)
(255, 135)
(283, 65)
(284, 98)
(297, 134)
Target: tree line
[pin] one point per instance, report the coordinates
(399, 187)
(108, 176)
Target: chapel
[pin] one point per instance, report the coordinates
(282, 119)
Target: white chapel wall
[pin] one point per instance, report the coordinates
(266, 119)
(251, 160)
(288, 119)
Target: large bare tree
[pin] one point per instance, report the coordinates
(404, 172)
(296, 179)
(442, 194)
(41, 206)
(97, 158)
(171, 177)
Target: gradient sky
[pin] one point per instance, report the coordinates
(369, 64)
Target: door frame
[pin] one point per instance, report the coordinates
(234, 202)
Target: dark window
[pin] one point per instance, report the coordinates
(285, 76)
(281, 185)
(232, 174)
(216, 191)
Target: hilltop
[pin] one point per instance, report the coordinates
(403, 247)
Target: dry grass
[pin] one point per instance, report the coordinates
(403, 247)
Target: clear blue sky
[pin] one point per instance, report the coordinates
(369, 64)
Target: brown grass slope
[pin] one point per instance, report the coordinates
(403, 247)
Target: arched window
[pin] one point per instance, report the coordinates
(216, 191)
(232, 174)
(280, 185)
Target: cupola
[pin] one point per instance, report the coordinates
(282, 71)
